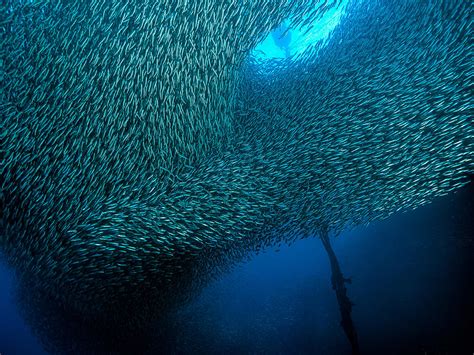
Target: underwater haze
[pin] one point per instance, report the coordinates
(412, 287)
(236, 177)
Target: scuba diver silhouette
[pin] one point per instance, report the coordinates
(282, 38)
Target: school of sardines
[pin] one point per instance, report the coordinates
(144, 150)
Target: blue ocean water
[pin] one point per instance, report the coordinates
(411, 284)
(15, 335)
(412, 288)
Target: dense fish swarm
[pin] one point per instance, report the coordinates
(105, 105)
(144, 151)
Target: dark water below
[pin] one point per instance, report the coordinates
(412, 285)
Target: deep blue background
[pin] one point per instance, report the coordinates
(412, 286)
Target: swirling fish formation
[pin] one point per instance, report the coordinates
(144, 151)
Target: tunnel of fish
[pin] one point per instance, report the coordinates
(145, 150)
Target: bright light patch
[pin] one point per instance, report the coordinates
(287, 42)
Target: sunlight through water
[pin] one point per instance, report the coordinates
(286, 42)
